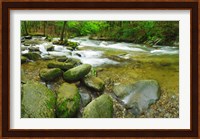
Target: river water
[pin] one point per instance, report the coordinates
(120, 63)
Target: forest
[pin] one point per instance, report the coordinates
(149, 32)
(99, 69)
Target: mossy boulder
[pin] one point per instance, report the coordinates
(68, 100)
(101, 107)
(50, 74)
(23, 59)
(77, 73)
(61, 65)
(62, 59)
(23, 77)
(37, 101)
(32, 48)
(138, 96)
(32, 56)
(94, 83)
(72, 45)
(74, 61)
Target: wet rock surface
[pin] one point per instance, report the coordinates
(37, 101)
(77, 73)
(138, 96)
(101, 107)
(94, 83)
(68, 100)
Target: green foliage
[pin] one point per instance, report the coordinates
(147, 32)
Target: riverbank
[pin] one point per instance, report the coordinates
(115, 63)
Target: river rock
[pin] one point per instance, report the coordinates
(94, 83)
(101, 107)
(37, 101)
(23, 59)
(32, 56)
(138, 96)
(32, 48)
(49, 47)
(50, 74)
(23, 47)
(68, 100)
(62, 59)
(85, 96)
(77, 73)
(74, 61)
(61, 65)
(47, 57)
(23, 77)
(28, 37)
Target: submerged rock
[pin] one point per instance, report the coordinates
(68, 100)
(101, 107)
(94, 83)
(23, 59)
(77, 73)
(37, 101)
(60, 65)
(49, 47)
(32, 56)
(50, 74)
(139, 96)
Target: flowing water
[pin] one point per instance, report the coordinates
(119, 63)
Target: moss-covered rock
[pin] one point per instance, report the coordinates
(62, 59)
(94, 83)
(68, 100)
(32, 48)
(23, 77)
(60, 65)
(32, 56)
(23, 59)
(73, 45)
(37, 101)
(50, 74)
(101, 107)
(74, 61)
(77, 73)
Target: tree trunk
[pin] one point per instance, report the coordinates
(63, 30)
(45, 22)
(25, 28)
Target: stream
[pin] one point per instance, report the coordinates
(118, 63)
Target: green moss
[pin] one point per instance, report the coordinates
(60, 65)
(77, 73)
(68, 100)
(37, 101)
(23, 59)
(101, 107)
(72, 44)
(50, 74)
(94, 83)
(32, 56)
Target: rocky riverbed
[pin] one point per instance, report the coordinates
(98, 79)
